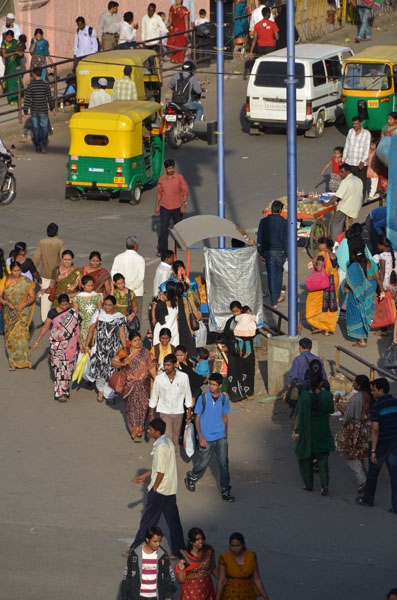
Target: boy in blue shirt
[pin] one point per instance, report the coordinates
(203, 366)
(211, 420)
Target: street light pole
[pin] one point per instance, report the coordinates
(291, 174)
(220, 110)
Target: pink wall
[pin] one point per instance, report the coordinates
(57, 18)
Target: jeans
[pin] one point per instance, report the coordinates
(157, 505)
(385, 452)
(166, 215)
(220, 447)
(198, 107)
(274, 260)
(40, 127)
(365, 29)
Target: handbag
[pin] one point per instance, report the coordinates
(135, 324)
(193, 320)
(53, 289)
(118, 381)
(385, 312)
(317, 280)
(390, 360)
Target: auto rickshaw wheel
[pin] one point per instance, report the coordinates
(135, 194)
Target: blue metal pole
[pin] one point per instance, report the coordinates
(291, 174)
(220, 110)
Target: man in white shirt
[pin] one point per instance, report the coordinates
(161, 498)
(10, 25)
(256, 15)
(132, 266)
(85, 40)
(171, 393)
(356, 150)
(127, 32)
(100, 96)
(163, 271)
(152, 27)
(350, 198)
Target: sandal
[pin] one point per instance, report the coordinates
(360, 345)
(361, 502)
(393, 511)
(99, 397)
(11, 368)
(361, 488)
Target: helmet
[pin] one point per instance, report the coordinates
(189, 65)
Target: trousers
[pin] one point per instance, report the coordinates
(198, 107)
(365, 29)
(157, 505)
(306, 469)
(45, 299)
(274, 260)
(358, 468)
(103, 386)
(220, 447)
(386, 452)
(173, 424)
(166, 215)
(338, 224)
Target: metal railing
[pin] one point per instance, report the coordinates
(371, 366)
(280, 318)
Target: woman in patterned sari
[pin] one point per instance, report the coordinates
(195, 577)
(63, 322)
(322, 306)
(18, 297)
(86, 303)
(178, 21)
(360, 305)
(65, 279)
(139, 366)
(107, 333)
(101, 277)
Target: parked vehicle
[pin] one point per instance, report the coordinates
(369, 87)
(318, 70)
(146, 74)
(9, 190)
(115, 149)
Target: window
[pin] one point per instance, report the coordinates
(273, 74)
(94, 82)
(319, 77)
(367, 76)
(96, 140)
(333, 67)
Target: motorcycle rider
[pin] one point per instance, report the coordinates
(195, 89)
(3, 167)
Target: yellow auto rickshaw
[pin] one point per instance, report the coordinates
(115, 149)
(145, 73)
(369, 86)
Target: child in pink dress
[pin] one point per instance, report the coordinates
(336, 162)
(245, 330)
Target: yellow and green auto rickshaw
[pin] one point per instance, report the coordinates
(369, 86)
(145, 73)
(115, 149)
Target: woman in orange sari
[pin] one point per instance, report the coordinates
(18, 297)
(178, 21)
(102, 278)
(322, 306)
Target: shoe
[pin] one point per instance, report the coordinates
(228, 497)
(62, 399)
(43, 148)
(324, 490)
(190, 485)
(361, 502)
(393, 511)
(38, 149)
(307, 489)
(110, 402)
(357, 40)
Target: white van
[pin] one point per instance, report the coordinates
(318, 69)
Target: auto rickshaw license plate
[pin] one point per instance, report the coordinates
(373, 103)
(119, 180)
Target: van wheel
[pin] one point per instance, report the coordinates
(319, 125)
(135, 194)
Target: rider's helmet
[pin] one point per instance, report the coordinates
(189, 65)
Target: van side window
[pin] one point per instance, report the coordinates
(319, 77)
(333, 66)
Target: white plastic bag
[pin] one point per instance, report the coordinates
(200, 336)
(188, 439)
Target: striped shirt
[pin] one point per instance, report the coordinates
(384, 412)
(38, 97)
(357, 147)
(149, 575)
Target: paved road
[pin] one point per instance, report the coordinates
(68, 507)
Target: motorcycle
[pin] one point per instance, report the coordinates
(9, 189)
(181, 124)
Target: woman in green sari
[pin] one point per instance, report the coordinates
(65, 279)
(18, 297)
(312, 432)
(12, 65)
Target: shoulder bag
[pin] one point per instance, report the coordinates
(134, 324)
(193, 320)
(317, 280)
(118, 381)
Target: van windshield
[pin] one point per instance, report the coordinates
(273, 74)
(366, 76)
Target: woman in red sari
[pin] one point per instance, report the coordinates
(101, 276)
(178, 21)
(195, 577)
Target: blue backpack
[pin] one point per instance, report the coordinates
(204, 400)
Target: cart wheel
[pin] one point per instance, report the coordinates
(316, 232)
(135, 194)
